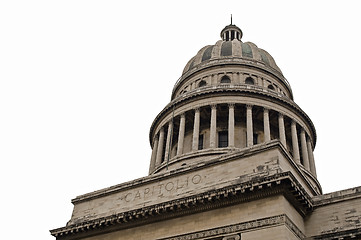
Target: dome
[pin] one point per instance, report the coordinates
(231, 99)
(231, 47)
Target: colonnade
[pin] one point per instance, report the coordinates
(301, 144)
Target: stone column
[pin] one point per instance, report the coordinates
(306, 162)
(196, 130)
(249, 126)
(168, 142)
(281, 129)
(311, 157)
(212, 140)
(181, 135)
(231, 125)
(266, 126)
(154, 155)
(295, 148)
(160, 148)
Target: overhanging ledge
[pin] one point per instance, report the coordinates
(236, 192)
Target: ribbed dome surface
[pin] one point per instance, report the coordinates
(232, 49)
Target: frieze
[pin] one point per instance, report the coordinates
(161, 189)
(215, 198)
(241, 227)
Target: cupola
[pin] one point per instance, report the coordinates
(231, 32)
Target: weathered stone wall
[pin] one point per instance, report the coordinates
(278, 232)
(335, 212)
(241, 218)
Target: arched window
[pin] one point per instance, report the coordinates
(249, 81)
(225, 79)
(271, 87)
(202, 83)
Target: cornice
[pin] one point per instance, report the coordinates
(282, 183)
(239, 89)
(336, 197)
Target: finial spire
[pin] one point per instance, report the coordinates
(231, 19)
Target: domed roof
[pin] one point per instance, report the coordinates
(230, 47)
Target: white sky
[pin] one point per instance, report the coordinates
(82, 81)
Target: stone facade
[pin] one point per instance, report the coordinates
(232, 158)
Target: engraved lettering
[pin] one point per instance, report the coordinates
(160, 187)
(178, 185)
(196, 179)
(137, 195)
(146, 191)
(169, 186)
(187, 182)
(126, 197)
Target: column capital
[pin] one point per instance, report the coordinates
(280, 114)
(213, 106)
(231, 105)
(266, 109)
(182, 115)
(249, 106)
(196, 109)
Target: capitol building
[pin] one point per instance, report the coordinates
(232, 158)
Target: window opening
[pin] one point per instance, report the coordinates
(255, 138)
(200, 142)
(202, 84)
(223, 139)
(249, 80)
(225, 79)
(271, 87)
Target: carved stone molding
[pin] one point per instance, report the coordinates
(241, 227)
(281, 183)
